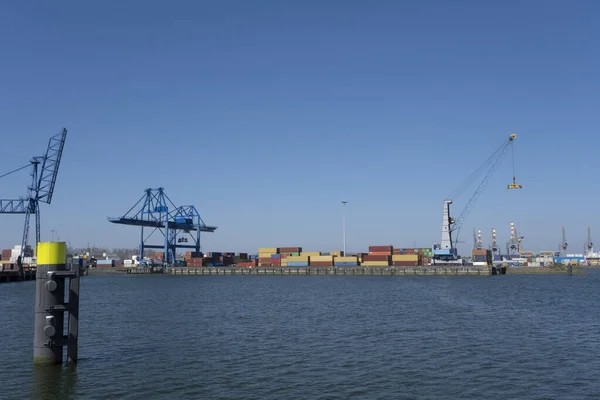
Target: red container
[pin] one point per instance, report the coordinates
(290, 249)
(247, 264)
(376, 258)
(380, 253)
(264, 259)
(405, 263)
(381, 248)
(320, 264)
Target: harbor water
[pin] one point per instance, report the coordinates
(316, 337)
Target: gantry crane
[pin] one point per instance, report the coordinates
(564, 245)
(445, 252)
(158, 213)
(477, 239)
(44, 171)
(494, 246)
(589, 246)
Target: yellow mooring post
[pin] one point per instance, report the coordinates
(50, 305)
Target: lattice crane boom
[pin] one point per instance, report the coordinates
(497, 158)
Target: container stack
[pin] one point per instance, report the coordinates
(216, 259)
(297, 261)
(379, 256)
(321, 261)
(482, 257)
(269, 257)
(195, 259)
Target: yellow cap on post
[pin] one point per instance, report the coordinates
(49, 253)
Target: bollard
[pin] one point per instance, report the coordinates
(50, 306)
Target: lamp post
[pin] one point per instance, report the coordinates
(344, 224)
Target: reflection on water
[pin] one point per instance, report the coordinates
(53, 382)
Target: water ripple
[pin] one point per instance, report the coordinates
(270, 337)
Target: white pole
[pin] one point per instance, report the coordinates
(344, 224)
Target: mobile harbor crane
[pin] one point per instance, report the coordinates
(44, 171)
(445, 252)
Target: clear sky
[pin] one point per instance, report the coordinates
(266, 114)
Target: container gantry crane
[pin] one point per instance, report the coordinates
(157, 212)
(445, 252)
(44, 171)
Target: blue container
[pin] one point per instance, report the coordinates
(497, 258)
(297, 264)
(217, 264)
(346, 264)
(275, 255)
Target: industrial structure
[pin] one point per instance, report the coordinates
(563, 244)
(589, 246)
(44, 171)
(494, 245)
(156, 212)
(445, 252)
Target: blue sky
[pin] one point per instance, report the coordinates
(267, 114)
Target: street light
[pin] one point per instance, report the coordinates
(344, 224)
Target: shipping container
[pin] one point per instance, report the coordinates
(290, 249)
(321, 263)
(246, 264)
(376, 258)
(269, 250)
(298, 258)
(297, 264)
(345, 264)
(275, 255)
(389, 249)
(380, 253)
(405, 257)
(346, 259)
(375, 263)
(405, 264)
(265, 255)
(321, 259)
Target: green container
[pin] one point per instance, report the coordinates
(294, 254)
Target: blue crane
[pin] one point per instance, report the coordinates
(445, 252)
(157, 212)
(44, 171)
